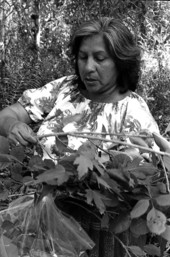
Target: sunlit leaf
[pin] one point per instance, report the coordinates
(163, 144)
(48, 176)
(84, 164)
(163, 200)
(156, 221)
(89, 196)
(140, 208)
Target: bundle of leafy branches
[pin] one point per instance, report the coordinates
(126, 187)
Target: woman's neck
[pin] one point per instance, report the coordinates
(108, 97)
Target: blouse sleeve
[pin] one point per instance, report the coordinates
(138, 117)
(39, 102)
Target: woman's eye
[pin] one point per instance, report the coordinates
(100, 58)
(82, 57)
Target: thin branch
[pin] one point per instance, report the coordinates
(115, 141)
(123, 245)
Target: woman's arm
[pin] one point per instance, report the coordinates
(14, 122)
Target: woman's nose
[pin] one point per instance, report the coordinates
(90, 65)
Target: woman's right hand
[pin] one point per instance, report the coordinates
(20, 133)
(14, 125)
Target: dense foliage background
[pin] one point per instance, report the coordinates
(34, 40)
(34, 37)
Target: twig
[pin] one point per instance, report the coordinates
(123, 245)
(75, 134)
(10, 196)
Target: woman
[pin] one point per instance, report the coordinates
(99, 97)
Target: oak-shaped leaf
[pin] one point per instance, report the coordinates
(140, 208)
(120, 223)
(101, 182)
(138, 227)
(152, 250)
(84, 164)
(163, 200)
(88, 149)
(136, 250)
(56, 176)
(89, 196)
(95, 197)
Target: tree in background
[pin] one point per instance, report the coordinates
(34, 38)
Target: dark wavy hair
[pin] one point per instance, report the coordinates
(120, 44)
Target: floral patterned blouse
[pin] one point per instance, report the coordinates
(60, 107)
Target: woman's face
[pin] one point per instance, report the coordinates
(96, 67)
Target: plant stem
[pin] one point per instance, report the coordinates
(75, 134)
(123, 245)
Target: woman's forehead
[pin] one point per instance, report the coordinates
(93, 43)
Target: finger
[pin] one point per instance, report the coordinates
(28, 136)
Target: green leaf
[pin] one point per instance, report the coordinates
(138, 141)
(136, 250)
(140, 208)
(166, 234)
(89, 196)
(51, 175)
(166, 160)
(18, 153)
(168, 128)
(102, 182)
(152, 250)
(98, 202)
(4, 195)
(84, 164)
(139, 227)
(87, 149)
(5, 161)
(156, 221)
(120, 159)
(163, 200)
(120, 224)
(163, 144)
